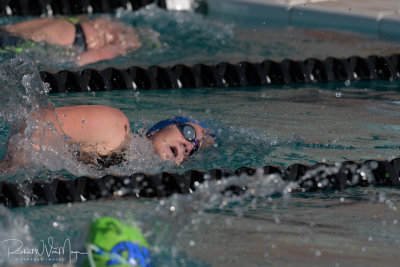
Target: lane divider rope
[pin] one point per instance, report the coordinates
(308, 178)
(243, 74)
(70, 7)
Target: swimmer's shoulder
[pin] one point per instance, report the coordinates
(95, 110)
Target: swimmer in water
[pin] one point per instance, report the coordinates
(96, 39)
(103, 134)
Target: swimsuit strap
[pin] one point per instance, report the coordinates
(80, 39)
(71, 19)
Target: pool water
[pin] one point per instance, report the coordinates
(256, 126)
(171, 37)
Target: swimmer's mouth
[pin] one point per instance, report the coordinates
(174, 151)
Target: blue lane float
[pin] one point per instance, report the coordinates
(243, 74)
(144, 185)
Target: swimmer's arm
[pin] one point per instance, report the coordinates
(107, 52)
(95, 55)
(95, 127)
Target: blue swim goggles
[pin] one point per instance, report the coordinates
(189, 133)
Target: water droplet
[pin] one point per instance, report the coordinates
(382, 197)
(318, 253)
(347, 83)
(172, 208)
(370, 239)
(339, 94)
(83, 121)
(55, 224)
(192, 243)
(266, 254)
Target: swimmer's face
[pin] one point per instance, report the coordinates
(170, 144)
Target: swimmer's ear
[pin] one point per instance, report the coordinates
(208, 140)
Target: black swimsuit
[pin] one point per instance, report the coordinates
(9, 40)
(80, 39)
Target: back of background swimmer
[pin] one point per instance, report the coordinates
(97, 39)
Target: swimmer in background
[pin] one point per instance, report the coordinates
(103, 134)
(97, 39)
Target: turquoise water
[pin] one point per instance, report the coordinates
(170, 38)
(256, 126)
(267, 226)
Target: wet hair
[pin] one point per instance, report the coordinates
(102, 161)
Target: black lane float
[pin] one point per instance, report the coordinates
(225, 74)
(307, 177)
(69, 7)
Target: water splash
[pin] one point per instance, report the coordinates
(164, 33)
(23, 91)
(23, 109)
(177, 222)
(13, 233)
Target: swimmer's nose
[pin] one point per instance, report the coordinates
(188, 148)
